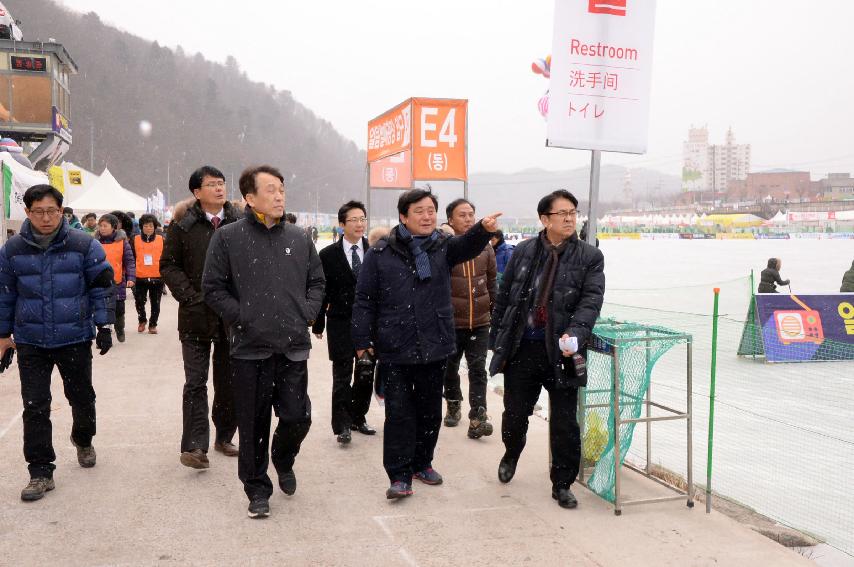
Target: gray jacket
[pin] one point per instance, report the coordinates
(266, 284)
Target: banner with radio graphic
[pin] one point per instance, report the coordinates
(800, 328)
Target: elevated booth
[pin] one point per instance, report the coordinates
(35, 99)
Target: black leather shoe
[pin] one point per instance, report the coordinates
(288, 482)
(364, 429)
(565, 498)
(506, 469)
(344, 438)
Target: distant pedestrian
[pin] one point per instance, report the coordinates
(503, 252)
(148, 249)
(770, 278)
(342, 262)
(125, 222)
(403, 315)
(120, 256)
(848, 281)
(547, 306)
(265, 279)
(200, 330)
(90, 224)
(56, 286)
(290, 218)
(135, 230)
(69, 215)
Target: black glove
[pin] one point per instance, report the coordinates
(104, 340)
(6, 361)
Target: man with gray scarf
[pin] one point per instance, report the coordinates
(56, 286)
(544, 314)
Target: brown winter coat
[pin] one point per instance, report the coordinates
(473, 290)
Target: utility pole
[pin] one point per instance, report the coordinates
(92, 147)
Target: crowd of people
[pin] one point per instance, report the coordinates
(399, 308)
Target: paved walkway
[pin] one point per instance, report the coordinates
(139, 506)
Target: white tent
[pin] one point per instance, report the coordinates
(76, 180)
(779, 218)
(16, 179)
(107, 195)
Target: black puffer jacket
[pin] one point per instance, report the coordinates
(182, 264)
(771, 276)
(579, 289)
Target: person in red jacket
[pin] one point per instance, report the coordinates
(120, 256)
(148, 248)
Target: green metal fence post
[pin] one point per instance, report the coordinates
(712, 400)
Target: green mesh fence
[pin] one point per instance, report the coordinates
(636, 348)
(784, 444)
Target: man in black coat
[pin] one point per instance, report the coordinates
(342, 262)
(547, 305)
(403, 314)
(264, 278)
(199, 328)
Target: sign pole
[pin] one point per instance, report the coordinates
(368, 194)
(592, 205)
(466, 158)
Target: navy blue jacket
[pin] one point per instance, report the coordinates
(406, 320)
(55, 297)
(502, 255)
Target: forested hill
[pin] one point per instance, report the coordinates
(201, 112)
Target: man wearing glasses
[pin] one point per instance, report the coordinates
(342, 262)
(199, 328)
(548, 302)
(56, 286)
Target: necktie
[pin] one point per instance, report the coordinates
(215, 221)
(356, 262)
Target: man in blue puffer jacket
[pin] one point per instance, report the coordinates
(55, 288)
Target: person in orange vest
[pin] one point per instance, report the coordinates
(120, 257)
(148, 247)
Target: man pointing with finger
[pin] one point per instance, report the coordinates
(403, 312)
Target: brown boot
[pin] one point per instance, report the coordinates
(152, 330)
(195, 459)
(141, 328)
(227, 448)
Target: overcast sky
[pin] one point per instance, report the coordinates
(778, 71)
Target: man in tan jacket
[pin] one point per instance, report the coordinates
(473, 290)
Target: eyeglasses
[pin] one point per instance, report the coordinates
(45, 212)
(358, 220)
(564, 214)
(215, 185)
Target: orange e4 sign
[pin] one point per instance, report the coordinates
(439, 139)
(430, 131)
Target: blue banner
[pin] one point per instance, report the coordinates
(799, 328)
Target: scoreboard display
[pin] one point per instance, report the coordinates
(36, 64)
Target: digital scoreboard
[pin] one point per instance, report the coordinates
(36, 64)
